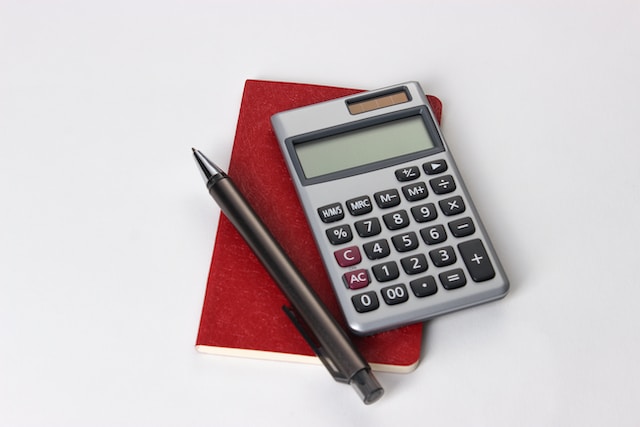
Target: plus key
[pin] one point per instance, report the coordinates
(477, 261)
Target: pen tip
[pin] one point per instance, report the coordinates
(207, 167)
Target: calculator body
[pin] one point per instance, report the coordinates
(397, 230)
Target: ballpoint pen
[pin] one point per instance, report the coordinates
(332, 345)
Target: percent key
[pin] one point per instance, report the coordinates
(340, 234)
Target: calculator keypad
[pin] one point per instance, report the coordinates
(426, 260)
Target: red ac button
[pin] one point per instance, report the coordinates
(356, 279)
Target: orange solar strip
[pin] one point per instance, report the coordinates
(376, 103)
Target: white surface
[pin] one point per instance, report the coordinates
(106, 230)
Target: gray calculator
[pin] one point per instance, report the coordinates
(396, 228)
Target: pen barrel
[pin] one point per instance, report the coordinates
(330, 335)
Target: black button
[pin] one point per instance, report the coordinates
(376, 250)
(405, 242)
(385, 272)
(417, 191)
(424, 213)
(364, 302)
(443, 185)
(396, 220)
(477, 261)
(407, 174)
(443, 256)
(368, 227)
(331, 213)
(359, 205)
(433, 235)
(453, 279)
(434, 167)
(424, 286)
(340, 234)
(395, 294)
(414, 264)
(462, 227)
(387, 198)
(452, 206)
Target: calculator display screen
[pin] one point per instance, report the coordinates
(363, 146)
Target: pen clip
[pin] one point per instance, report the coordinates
(315, 346)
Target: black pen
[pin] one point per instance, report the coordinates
(333, 347)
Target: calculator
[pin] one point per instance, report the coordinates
(397, 230)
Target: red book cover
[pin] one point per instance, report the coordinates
(242, 312)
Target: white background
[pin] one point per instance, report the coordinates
(106, 229)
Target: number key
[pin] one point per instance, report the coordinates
(368, 227)
(377, 249)
(394, 294)
(443, 256)
(364, 302)
(414, 264)
(433, 235)
(424, 213)
(385, 272)
(396, 220)
(405, 242)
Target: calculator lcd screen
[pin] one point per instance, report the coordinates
(364, 146)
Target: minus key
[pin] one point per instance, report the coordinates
(462, 227)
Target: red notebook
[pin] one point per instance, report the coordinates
(242, 313)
